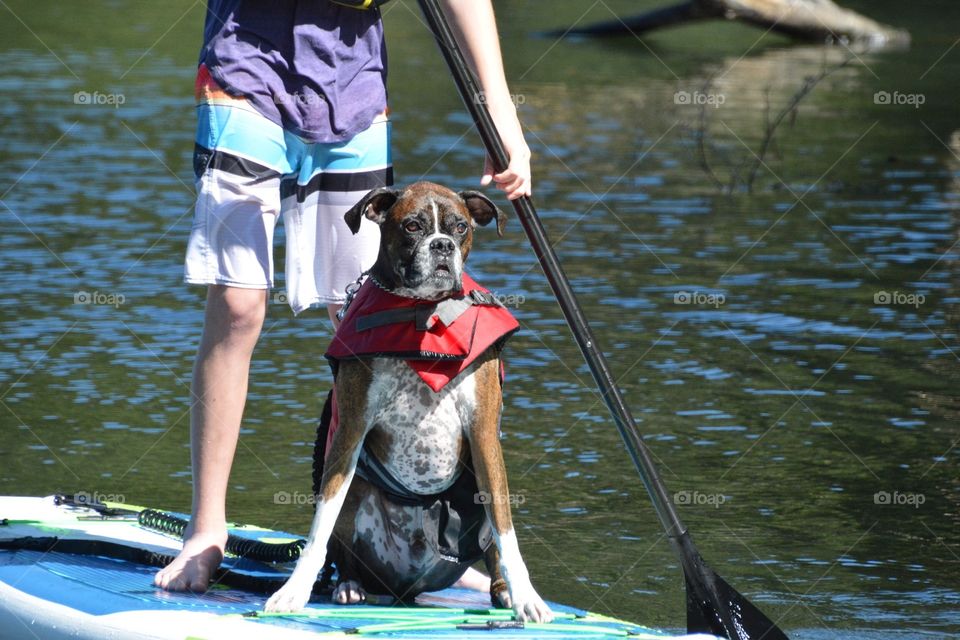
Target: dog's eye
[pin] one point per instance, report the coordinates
(462, 227)
(412, 226)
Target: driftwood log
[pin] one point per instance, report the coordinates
(821, 21)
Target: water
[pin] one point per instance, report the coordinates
(790, 351)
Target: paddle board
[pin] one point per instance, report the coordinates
(81, 570)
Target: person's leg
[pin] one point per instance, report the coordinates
(232, 324)
(332, 311)
(474, 580)
(239, 160)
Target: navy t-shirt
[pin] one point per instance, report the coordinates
(317, 68)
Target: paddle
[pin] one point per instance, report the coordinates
(713, 606)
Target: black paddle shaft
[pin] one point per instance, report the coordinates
(474, 100)
(475, 103)
(713, 606)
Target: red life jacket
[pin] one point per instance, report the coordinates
(437, 339)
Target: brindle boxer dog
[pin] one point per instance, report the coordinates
(426, 440)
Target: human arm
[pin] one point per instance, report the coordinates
(474, 25)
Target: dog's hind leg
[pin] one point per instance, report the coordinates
(349, 589)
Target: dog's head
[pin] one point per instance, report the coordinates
(425, 235)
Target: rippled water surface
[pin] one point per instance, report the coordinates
(790, 349)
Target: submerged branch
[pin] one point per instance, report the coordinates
(820, 21)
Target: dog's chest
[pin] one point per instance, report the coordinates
(424, 429)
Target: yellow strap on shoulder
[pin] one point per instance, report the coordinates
(355, 4)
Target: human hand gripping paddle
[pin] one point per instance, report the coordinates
(713, 606)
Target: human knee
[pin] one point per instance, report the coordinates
(239, 312)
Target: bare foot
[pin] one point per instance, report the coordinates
(192, 569)
(349, 592)
(474, 580)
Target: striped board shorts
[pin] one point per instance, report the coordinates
(250, 172)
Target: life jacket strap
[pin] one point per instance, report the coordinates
(426, 315)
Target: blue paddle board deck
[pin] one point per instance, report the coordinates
(64, 573)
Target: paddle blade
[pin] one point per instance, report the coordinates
(743, 620)
(713, 606)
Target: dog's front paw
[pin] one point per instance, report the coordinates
(528, 605)
(290, 598)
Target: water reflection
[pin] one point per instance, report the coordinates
(783, 399)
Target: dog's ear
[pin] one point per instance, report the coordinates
(483, 210)
(374, 206)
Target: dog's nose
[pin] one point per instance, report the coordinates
(443, 246)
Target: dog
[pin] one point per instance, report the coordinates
(423, 428)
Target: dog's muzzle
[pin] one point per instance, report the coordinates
(440, 264)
